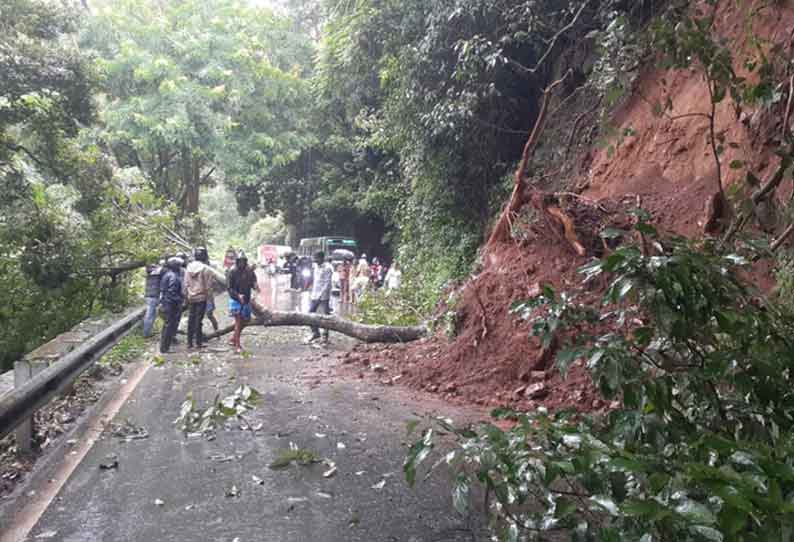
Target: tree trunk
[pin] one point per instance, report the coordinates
(362, 332)
(292, 235)
(501, 231)
(190, 182)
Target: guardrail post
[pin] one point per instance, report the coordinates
(23, 371)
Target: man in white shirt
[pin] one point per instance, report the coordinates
(394, 277)
(320, 299)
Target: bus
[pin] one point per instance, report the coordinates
(328, 244)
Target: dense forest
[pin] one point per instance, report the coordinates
(397, 122)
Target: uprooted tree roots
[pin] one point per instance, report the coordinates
(578, 222)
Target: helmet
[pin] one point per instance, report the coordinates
(200, 254)
(174, 262)
(182, 256)
(241, 255)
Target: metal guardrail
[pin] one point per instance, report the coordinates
(18, 406)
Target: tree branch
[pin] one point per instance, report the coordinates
(553, 41)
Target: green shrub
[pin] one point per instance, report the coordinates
(700, 445)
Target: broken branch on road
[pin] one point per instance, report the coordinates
(363, 332)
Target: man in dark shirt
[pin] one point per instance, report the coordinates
(171, 299)
(241, 281)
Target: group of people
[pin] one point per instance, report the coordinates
(177, 285)
(357, 278)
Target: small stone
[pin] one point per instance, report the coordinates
(536, 391)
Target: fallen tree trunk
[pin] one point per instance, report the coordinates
(362, 332)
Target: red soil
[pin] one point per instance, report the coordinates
(668, 163)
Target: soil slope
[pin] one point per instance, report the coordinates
(667, 167)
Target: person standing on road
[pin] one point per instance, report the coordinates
(242, 280)
(171, 299)
(197, 288)
(394, 277)
(344, 281)
(292, 268)
(361, 280)
(320, 299)
(152, 295)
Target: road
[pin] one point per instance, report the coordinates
(173, 487)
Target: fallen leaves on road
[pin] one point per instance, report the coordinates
(301, 456)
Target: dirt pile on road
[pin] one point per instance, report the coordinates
(665, 166)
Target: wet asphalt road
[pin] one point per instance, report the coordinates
(172, 487)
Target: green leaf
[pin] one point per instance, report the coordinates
(460, 493)
(416, 455)
(646, 229)
(732, 521)
(648, 509)
(736, 164)
(563, 507)
(710, 534)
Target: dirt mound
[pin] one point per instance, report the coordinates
(665, 167)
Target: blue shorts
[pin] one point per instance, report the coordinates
(210, 306)
(235, 308)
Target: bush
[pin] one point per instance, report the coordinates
(408, 305)
(700, 447)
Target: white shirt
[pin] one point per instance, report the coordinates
(321, 286)
(393, 278)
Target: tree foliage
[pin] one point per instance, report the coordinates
(202, 91)
(71, 220)
(700, 447)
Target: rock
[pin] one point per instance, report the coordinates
(518, 391)
(536, 391)
(450, 388)
(538, 376)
